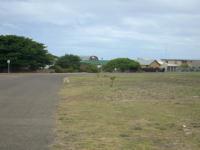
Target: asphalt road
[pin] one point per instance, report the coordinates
(27, 107)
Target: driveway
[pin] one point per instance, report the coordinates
(27, 107)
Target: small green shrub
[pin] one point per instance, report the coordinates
(121, 65)
(90, 68)
(112, 80)
(70, 70)
(98, 75)
(57, 69)
(70, 62)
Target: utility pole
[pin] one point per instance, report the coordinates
(102, 64)
(8, 62)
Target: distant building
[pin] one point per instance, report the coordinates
(156, 64)
(181, 64)
(144, 63)
(178, 62)
(88, 58)
(84, 58)
(170, 65)
(94, 58)
(196, 64)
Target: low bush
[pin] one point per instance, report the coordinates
(90, 68)
(153, 69)
(70, 62)
(58, 69)
(121, 65)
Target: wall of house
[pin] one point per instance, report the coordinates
(171, 68)
(179, 62)
(196, 63)
(154, 64)
(193, 65)
(171, 65)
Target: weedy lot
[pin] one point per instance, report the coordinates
(152, 111)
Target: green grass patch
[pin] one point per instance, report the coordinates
(153, 111)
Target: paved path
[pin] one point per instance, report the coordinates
(27, 106)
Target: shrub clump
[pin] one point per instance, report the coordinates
(90, 68)
(59, 69)
(121, 65)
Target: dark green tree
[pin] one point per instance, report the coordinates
(23, 52)
(90, 68)
(121, 65)
(71, 62)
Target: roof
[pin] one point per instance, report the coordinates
(181, 59)
(85, 58)
(160, 62)
(144, 61)
(95, 62)
(172, 65)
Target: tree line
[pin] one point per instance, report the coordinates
(26, 54)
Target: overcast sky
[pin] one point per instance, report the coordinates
(108, 28)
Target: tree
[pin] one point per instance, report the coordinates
(23, 52)
(71, 62)
(122, 65)
(90, 68)
(184, 66)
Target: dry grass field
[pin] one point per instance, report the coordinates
(141, 111)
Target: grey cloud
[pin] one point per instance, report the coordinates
(124, 25)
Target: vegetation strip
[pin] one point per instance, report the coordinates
(139, 111)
